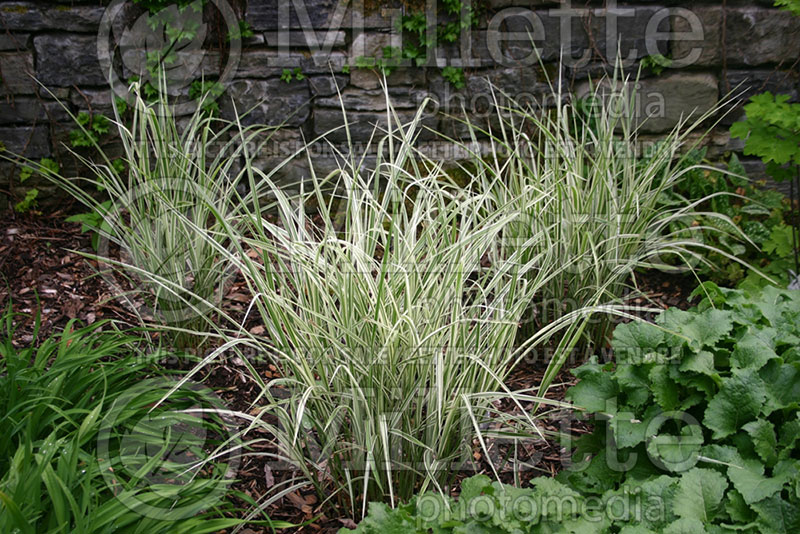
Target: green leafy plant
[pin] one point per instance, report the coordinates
(292, 74)
(772, 132)
(703, 405)
(547, 506)
(154, 6)
(45, 168)
(789, 5)
(452, 17)
(389, 59)
(455, 76)
(54, 396)
(242, 31)
(668, 505)
(751, 210)
(206, 93)
(29, 202)
(656, 63)
(91, 129)
(94, 221)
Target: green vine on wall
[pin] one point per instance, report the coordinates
(452, 17)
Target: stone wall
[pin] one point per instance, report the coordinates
(60, 53)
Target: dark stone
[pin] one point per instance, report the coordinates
(760, 36)
(374, 100)
(576, 34)
(633, 24)
(753, 37)
(30, 16)
(31, 142)
(661, 103)
(271, 63)
(65, 60)
(299, 39)
(100, 100)
(17, 71)
(746, 83)
(22, 110)
(361, 124)
(270, 102)
(14, 41)
(326, 85)
(513, 32)
(265, 15)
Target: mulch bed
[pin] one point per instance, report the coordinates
(41, 270)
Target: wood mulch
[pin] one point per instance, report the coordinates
(41, 268)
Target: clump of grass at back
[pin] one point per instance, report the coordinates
(160, 209)
(583, 192)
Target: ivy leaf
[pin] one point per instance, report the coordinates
(789, 5)
(738, 401)
(101, 124)
(699, 494)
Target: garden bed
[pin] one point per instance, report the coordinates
(41, 271)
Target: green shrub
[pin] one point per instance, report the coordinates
(703, 403)
(759, 214)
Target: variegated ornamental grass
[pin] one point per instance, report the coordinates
(394, 311)
(590, 191)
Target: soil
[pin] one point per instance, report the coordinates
(43, 267)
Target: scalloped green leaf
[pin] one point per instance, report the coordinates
(764, 441)
(699, 494)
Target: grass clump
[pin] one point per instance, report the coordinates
(393, 316)
(592, 192)
(160, 210)
(66, 466)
